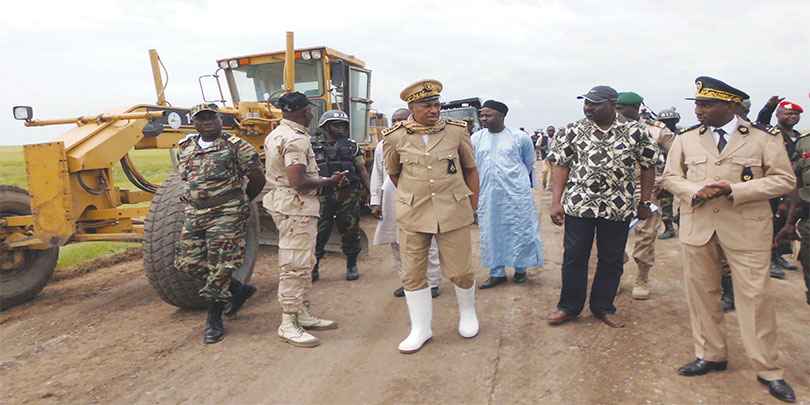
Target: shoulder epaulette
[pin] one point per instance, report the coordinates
(458, 123)
(656, 123)
(804, 135)
(685, 130)
(234, 138)
(387, 131)
(768, 129)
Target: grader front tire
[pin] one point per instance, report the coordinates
(33, 269)
(162, 231)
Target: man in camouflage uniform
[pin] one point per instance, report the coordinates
(292, 200)
(213, 164)
(799, 200)
(335, 152)
(628, 106)
(670, 118)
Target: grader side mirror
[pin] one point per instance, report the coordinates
(23, 112)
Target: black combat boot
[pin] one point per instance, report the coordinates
(728, 293)
(316, 275)
(239, 294)
(351, 268)
(214, 329)
(669, 230)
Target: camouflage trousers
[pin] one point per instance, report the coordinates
(212, 246)
(665, 201)
(804, 252)
(296, 237)
(341, 209)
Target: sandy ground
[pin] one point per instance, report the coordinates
(106, 337)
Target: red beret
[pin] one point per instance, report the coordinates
(788, 105)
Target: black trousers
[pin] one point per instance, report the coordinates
(611, 237)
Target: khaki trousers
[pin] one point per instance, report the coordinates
(755, 311)
(296, 257)
(455, 255)
(645, 234)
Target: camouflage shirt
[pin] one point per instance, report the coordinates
(218, 168)
(602, 178)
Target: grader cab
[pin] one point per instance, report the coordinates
(72, 196)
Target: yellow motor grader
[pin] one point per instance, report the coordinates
(72, 197)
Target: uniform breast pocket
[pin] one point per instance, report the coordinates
(448, 164)
(696, 168)
(748, 167)
(412, 165)
(216, 166)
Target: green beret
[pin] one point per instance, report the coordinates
(629, 98)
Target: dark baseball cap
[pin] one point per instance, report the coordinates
(600, 94)
(293, 101)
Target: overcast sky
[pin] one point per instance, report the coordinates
(82, 58)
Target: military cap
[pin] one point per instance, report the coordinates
(669, 114)
(788, 105)
(293, 101)
(708, 88)
(423, 90)
(600, 94)
(203, 107)
(333, 115)
(629, 98)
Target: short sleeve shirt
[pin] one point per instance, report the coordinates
(288, 145)
(602, 164)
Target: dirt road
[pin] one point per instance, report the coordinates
(106, 337)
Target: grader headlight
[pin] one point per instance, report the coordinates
(233, 63)
(223, 64)
(305, 55)
(316, 54)
(23, 112)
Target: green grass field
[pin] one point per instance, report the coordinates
(154, 165)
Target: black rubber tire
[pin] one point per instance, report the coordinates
(24, 283)
(161, 232)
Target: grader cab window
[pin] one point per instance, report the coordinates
(253, 81)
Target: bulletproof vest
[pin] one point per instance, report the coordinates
(802, 166)
(336, 157)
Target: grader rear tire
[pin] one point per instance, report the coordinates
(25, 281)
(161, 232)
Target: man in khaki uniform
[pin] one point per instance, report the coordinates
(430, 160)
(628, 105)
(292, 199)
(724, 171)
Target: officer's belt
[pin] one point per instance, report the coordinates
(228, 196)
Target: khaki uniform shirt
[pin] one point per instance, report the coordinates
(285, 146)
(756, 165)
(431, 195)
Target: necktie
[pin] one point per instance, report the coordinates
(721, 141)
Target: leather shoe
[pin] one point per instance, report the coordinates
(777, 272)
(399, 292)
(781, 262)
(701, 367)
(779, 389)
(492, 282)
(520, 278)
(559, 317)
(435, 292)
(611, 320)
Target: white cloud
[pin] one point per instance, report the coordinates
(70, 59)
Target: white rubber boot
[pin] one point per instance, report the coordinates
(291, 332)
(420, 310)
(468, 320)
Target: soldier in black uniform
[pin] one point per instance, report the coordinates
(336, 152)
(786, 119)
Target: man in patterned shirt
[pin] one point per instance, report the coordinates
(594, 163)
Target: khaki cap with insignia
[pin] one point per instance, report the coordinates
(423, 90)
